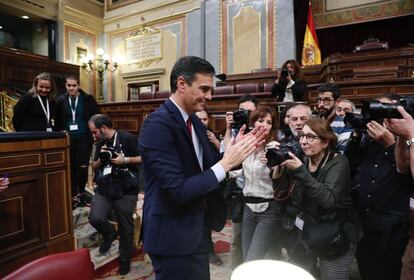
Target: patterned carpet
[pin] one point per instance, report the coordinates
(141, 267)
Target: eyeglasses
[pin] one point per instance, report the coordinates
(325, 101)
(309, 137)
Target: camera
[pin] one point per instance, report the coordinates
(284, 73)
(289, 217)
(240, 117)
(277, 156)
(109, 153)
(377, 111)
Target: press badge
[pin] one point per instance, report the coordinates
(411, 203)
(73, 127)
(299, 223)
(107, 170)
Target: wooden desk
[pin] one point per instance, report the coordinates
(36, 209)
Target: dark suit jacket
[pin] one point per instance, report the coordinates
(178, 194)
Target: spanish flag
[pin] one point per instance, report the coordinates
(311, 54)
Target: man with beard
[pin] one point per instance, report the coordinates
(117, 186)
(328, 95)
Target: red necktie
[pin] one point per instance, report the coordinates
(189, 128)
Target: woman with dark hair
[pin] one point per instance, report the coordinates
(322, 194)
(290, 85)
(35, 110)
(261, 217)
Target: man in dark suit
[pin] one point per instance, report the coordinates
(182, 173)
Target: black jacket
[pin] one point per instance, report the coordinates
(28, 114)
(298, 90)
(90, 108)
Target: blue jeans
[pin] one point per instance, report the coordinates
(260, 231)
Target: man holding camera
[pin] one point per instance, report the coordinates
(234, 190)
(382, 194)
(404, 150)
(115, 164)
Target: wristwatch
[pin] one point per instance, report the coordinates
(410, 142)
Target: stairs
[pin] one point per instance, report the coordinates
(86, 235)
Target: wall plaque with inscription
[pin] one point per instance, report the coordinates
(144, 48)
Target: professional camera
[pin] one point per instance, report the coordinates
(289, 217)
(377, 111)
(277, 156)
(240, 117)
(109, 153)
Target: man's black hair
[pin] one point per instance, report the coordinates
(248, 97)
(334, 88)
(101, 119)
(187, 67)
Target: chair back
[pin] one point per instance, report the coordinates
(63, 266)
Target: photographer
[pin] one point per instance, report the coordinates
(382, 192)
(404, 150)
(261, 223)
(290, 85)
(115, 164)
(322, 197)
(233, 192)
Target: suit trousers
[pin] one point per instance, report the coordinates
(189, 267)
(80, 152)
(124, 210)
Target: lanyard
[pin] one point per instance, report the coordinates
(71, 108)
(45, 110)
(115, 138)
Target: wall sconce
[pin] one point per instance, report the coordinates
(101, 65)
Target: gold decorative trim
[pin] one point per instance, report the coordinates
(80, 27)
(136, 13)
(75, 12)
(141, 33)
(109, 6)
(21, 216)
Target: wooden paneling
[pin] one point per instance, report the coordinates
(362, 75)
(18, 69)
(35, 211)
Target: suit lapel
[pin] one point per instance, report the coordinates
(176, 115)
(202, 138)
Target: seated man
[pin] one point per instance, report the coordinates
(115, 164)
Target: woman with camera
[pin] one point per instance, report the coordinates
(261, 217)
(322, 198)
(290, 85)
